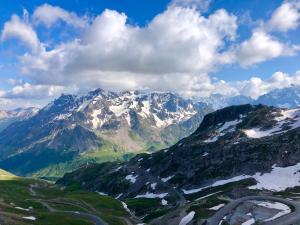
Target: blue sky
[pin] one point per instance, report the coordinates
(207, 46)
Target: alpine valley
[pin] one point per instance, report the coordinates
(154, 158)
(99, 126)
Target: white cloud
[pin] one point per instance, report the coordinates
(6, 103)
(286, 17)
(262, 47)
(30, 91)
(202, 5)
(256, 87)
(49, 15)
(178, 44)
(176, 51)
(17, 28)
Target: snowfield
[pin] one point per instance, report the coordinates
(279, 179)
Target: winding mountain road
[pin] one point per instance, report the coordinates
(287, 219)
(91, 217)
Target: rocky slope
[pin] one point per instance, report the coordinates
(74, 126)
(232, 144)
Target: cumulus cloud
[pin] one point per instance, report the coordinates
(22, 30)
(286, 17)
(177, 43)
(30, 91)
(261, 47)
(49, 15)
(256, 87)
(176, 51)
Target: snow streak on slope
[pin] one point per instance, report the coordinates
(289, 119)
(225, 128)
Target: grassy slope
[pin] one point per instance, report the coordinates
(15, 192)
(107, 153)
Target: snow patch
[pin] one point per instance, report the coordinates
(289, 118)
(125, 207)
(20, 208)
(279, 179)
(164, 202)
(188, 218)
(119, 195)
(152, 195)
(217, 207)
(153, 186)
(205, 154)
(167, 178)
(249, 222)
(120, 167)
(101, 193)
(283, 209)
(215, 184)
(96, 121)
(131, 178)
(29, 218)
(224, 129)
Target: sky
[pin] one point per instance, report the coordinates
(191, 47)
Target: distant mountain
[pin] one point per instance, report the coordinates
(231, 144)
(7, 117)
(101, 125)
(218, 101)
(286, 97)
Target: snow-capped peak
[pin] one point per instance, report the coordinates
(100, 109)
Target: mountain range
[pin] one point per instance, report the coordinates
(101, 125)
(107, 126)
(288, 97)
